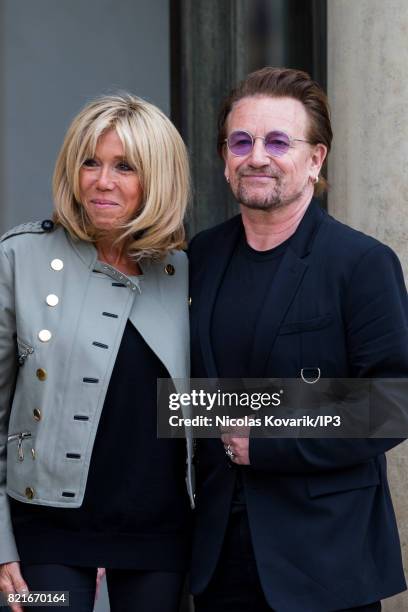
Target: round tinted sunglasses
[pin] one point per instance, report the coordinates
(276, 143)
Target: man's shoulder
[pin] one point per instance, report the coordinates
(350, 239)
(206, 238)
(347, 248)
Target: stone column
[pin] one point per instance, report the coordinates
(368, 92)
(213, 46)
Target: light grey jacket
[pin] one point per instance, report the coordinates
(62, 317)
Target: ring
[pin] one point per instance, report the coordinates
(229, 453)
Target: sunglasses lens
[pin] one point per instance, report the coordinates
(239, 143)
(277, 143)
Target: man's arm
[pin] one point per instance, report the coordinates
(376, 321)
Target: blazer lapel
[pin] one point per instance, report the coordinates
(278, 299)
(284, 288)
(215, 269)
(150, 315)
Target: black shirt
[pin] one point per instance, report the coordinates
(247, 279)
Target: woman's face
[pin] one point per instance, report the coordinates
(110, 189)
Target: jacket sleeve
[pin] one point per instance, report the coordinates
(376, 324)
(8, 370)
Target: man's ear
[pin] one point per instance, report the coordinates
(224, 157)
(318, 156)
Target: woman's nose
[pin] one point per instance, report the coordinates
(105, 178)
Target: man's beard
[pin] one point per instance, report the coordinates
(273, 200)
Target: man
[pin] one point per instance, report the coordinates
(292, 525)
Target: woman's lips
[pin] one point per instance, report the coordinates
(104, 203)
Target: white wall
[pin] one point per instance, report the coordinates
(55, 55)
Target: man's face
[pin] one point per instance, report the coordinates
(259, 180)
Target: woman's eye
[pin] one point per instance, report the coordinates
(89, 163)
(124, 167)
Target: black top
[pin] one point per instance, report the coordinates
(247, 280)
(135, 512)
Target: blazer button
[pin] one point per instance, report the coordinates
(29, 493)
(52, 299)
(170, 269)
(37, 414)
(45, 335)
(41, 374)
(47, 225)
(57, 264)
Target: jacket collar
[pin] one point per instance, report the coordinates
(302, 240)
(86, 251)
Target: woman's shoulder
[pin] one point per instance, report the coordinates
(32, 227)
(175, 261)
(179, 257)
(32, 243)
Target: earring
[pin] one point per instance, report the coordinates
(227, 179)
(316, 179)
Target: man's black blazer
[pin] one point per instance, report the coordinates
(321, 518)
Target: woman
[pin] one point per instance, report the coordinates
(94, 305)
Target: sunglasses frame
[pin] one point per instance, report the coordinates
(253, 138)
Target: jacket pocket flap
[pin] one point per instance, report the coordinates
(357, 477)
(297, 327)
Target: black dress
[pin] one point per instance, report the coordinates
(135, 512)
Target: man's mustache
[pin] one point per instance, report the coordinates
(252, 173)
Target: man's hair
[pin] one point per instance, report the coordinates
(156, 151)
(284, 83)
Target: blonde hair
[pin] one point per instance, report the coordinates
(157, 152)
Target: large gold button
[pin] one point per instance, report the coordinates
(52, 299)
(57, 264)
(45, 335)
(37, 414)
(41, 374)
(29, 493)
(169, 269)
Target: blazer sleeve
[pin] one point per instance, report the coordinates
(376, 323)
(8, 370)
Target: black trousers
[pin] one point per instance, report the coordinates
(235, 586)
(128, 589)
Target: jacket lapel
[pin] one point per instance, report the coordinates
(151, 315)
(284, 289)
(215, 269)
(278, 299)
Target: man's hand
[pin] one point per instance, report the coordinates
(11, 581)
(239, 446)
